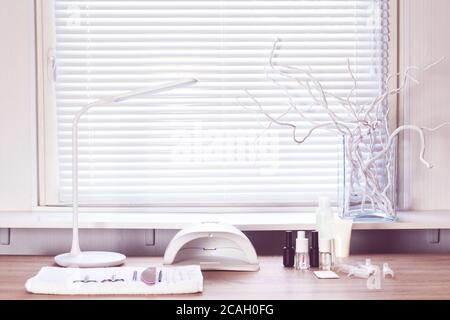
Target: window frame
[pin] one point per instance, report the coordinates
(47, 153)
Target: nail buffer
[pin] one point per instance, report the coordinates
(148, 276)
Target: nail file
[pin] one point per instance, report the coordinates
(148, 276)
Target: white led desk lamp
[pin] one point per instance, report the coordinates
(92, 259)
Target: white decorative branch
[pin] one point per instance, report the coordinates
(364, 126)
(394, 134)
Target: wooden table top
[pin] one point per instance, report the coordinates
(416, 277)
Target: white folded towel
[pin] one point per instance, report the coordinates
(174, 280)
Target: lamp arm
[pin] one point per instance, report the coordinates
(75, 250)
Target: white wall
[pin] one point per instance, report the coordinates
(425, 26)
(17, 103)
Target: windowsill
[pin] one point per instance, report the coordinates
(61, 218)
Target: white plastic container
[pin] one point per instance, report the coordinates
(342, 233)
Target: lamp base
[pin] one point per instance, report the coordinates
(90, 259)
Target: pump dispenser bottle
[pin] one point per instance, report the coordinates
(324, 218)
(325, 221)
(288, 250)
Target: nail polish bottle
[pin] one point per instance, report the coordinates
(325, 254)
(314, 250)
(301, 252)
(288, 250)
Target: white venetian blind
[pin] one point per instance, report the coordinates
(206, 144)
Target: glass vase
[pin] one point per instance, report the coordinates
(369, 188)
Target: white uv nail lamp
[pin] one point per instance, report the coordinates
(213, 246)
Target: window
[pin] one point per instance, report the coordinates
(207, 144)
